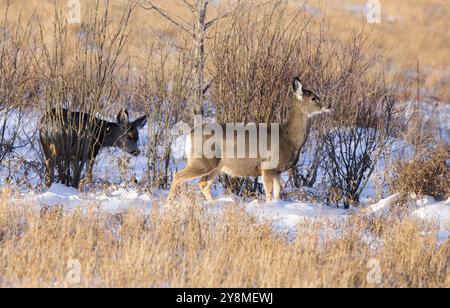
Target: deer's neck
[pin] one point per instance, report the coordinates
(298, 127)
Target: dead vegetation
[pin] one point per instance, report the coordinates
(425, 175)
(192, 247)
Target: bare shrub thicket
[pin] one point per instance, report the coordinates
(343, 150)
(14, 82)
(80, 72)
(251, 56)
(255, 57)
(364, 118)
(199, 19)
(163, 92)
(428, 175)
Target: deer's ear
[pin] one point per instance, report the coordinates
(298, 88)
(123, 117)
(140, 123)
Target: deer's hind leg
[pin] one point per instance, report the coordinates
(206, 183)
(194, 171)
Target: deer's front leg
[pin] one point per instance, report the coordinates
(268, 180)
(277, 188)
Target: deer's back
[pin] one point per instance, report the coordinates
(70, 132)
(236, 156)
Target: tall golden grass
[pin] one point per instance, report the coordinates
(192, 246)
(414, 31)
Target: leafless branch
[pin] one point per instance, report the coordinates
(175, 20)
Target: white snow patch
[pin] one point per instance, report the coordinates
(296, 212)
(383, 207)
(438, 212)
(113, 201)
(427, 209)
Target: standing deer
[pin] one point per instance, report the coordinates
(292, 137)
(75, 137)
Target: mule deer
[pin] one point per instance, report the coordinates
(77, 137)
(292, 137)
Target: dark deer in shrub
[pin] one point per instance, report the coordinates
(71, 140)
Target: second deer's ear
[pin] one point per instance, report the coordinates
(140, 123)
(123, 117)
(298, 88)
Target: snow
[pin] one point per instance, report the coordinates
(383, 207)
(426, 209)
(438, 213)
(288, 216)
(113, 201)
(285, 217)
(431, 210)
(434, 114)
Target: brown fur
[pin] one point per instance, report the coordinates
(293, 135)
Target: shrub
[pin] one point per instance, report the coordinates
(428, 175)
(14, 82)
(80, 74)
(163, 92)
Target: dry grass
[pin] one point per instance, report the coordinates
(411, 31)
(190, 246)
(428, 175)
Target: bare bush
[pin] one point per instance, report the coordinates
(364, 119)
(427, 175)
(163, 92)
(80, 74)
(14, 81)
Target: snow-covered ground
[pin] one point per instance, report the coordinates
(285, 217)
(426, 209)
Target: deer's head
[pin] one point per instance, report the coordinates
(307, 100)
(126, 133)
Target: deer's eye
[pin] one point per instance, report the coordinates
(314, 99)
